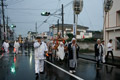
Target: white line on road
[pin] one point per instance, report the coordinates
(1, 56)
(64, 70)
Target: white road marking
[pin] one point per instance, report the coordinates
(64, 70)
(1, 56)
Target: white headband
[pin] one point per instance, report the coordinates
(73, 39)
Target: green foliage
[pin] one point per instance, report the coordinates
(70, 35)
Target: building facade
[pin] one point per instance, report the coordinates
(112, 27)
(68, 28)
(31, 36)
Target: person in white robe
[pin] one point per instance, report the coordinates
(102, 51)
(6, 46)
(40, 49)
(16, 46)
(61, 53)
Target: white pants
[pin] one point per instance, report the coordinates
(6, 50)
(39, 65)
(17, 49)
(103, 58)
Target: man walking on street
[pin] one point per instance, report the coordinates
(97, 53)
(40, 50)
(16, 46)
(6, 46)
(102, 51)
(73, 49)
(110, 50)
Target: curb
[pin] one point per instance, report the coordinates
(118, 66)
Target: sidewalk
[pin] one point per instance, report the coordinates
(90, 56)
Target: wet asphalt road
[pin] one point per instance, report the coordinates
(21, 67)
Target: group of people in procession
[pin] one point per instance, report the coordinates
(6, 45)
(58, 49)
(101, 50)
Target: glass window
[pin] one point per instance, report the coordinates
(118, 43)
(118, 18)
(78, 33)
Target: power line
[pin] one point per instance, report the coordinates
(89, 18)
(28, 9)
(54, 13)
(16, 2)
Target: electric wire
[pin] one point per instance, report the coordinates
(54, 13)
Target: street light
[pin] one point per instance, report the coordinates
(77, 8)
(108, 5)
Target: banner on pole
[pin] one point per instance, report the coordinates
(74, 29)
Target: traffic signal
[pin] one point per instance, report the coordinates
(13, 26)
(45, 13)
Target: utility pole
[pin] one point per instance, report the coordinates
(77, 8)
(7, 27)
(107, 7)
(3, 16)
(62, 21)
(58, 25)
(36, 27)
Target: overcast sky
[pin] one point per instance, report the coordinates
(25, 13)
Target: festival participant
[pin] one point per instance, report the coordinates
(61, 53)
(73, 49)
(40, 50)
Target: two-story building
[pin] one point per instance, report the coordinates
(68, 28)
(112, 27)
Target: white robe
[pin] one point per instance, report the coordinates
(6, 46)
(39, 50)
(61, 53)
(39, 56)
(104, 52)
(16, 46)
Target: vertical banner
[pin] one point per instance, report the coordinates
(74, 29)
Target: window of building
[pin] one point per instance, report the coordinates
(78, 33)
(87, 34)
(118, 18)
(118, 43)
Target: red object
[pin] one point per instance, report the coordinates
(63, 41)
(83, 36)
(47, 54)
(14, 59)
(14, 50)
(57, 41)
(2, 49)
